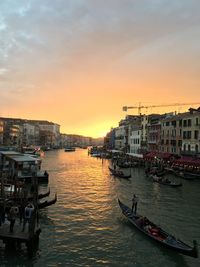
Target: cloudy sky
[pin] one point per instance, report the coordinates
(77, 62)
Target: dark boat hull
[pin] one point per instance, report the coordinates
(47, 203)
(171, 184)
(117, 174)
(40, 178)
(70, 149)
(184, 175)
(30, 198)
(163, 237)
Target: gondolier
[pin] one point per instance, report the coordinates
(135, 200)
(156, 233)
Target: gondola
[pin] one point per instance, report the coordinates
(43, 195)
(119, 174)
(185, 175)
(47, 203)
(30, 198)
(70, 149)
(156, 233)
(164, 181)
(127, 164)
(155, 171)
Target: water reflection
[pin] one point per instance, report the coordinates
(86, 228)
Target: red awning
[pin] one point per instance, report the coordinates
(159, 155)
(190, 161)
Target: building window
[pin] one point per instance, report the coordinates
(189, 134)
(174, 123)
(180, 123)
(196, 148)
(196, 134)
(184, 123)
(197, 121)
(189, 123)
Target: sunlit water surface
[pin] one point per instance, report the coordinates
(86, 227)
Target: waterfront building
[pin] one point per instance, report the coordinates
(144, 122)
(109, 139)
(177, 134)
(1, 132)
(12, 134)
(12, 131)
(125, 125)
(191, 132)
(69, 140)
(154, 132)
(120, 138)
(171, 134)
(180, 133)
(135, 139)
(31, 134)
(49, 132)
(23, 132)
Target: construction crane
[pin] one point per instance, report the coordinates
(140, 107)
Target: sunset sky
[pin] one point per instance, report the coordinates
(77, 62)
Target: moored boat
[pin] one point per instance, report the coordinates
(156, 233)
(29, 197)
(47, 203)
(185, 175)
(166, 181)
(127, 164)
(21, 167)
(70, 149)
(119, 173)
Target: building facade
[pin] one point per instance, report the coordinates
(1, 132)
(135, 140)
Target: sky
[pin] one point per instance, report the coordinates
(78, 62)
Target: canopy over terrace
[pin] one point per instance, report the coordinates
(140, 156)
(114, 151)
(157, 155)
(187, 161)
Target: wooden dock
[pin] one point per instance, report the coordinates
(14, 239)
(17, 233)
(10, 208)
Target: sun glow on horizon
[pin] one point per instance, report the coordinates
(62, 64)
(95, 131)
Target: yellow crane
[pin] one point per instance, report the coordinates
(140, 107)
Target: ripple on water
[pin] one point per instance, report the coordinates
(86, 228)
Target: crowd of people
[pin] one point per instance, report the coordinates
(14, 212)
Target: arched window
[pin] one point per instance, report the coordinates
(196, 148)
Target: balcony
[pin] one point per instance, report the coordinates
(152, 141)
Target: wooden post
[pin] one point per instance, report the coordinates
(2, 185)
(35, 203)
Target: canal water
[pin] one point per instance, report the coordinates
(86, 227)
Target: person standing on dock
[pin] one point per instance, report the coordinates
(135, 200)
(13, 213)
(27, 214)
